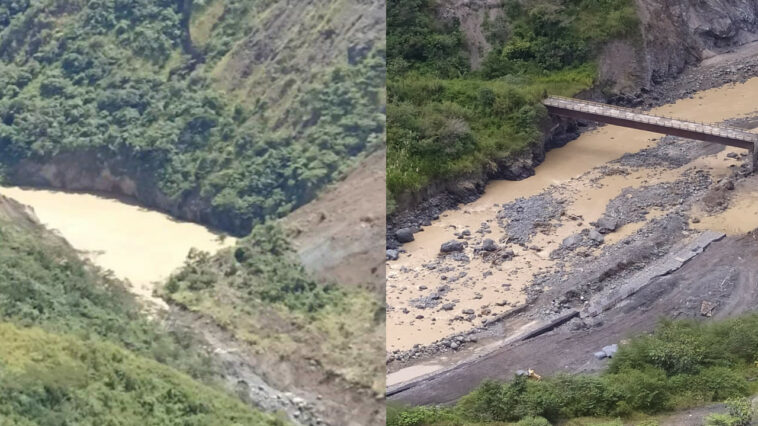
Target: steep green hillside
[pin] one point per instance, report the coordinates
(91, 356)
(43, 283)
(46, 379)
(123, 87)
(682, 364)
(445, 120)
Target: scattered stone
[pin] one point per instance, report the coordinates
(596, 236)
(489, 245)
(610, 350)
(451, 246)
(448, 306)
(706, 308)
(572, 242)
(607, 224)
(392, 254)
(600, 355)
(468, 312)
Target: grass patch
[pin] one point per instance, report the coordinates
(441, 128)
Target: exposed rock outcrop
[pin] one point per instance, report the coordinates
(676, 34)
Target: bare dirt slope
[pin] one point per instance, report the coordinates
(340, 235)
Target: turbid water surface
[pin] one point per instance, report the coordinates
(140, 245)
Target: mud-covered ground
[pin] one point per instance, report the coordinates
(724, 275)
(671, 193)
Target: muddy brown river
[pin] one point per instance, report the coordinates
(137, 244)
(585, 191)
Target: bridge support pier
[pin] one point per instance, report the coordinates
(754, 158)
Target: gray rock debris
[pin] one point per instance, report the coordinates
(451, 246)
(489, 245)
(392, 254)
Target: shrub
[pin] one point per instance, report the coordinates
(721, 419)
(533, 421)
(741, 409)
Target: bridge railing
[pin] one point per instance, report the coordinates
(637, 115)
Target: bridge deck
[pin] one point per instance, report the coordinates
(627, 117)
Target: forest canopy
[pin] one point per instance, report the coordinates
(122, 79)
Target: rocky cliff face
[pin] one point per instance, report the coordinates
(675, 34)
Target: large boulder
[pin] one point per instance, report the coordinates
(404, 235)
(607, 224)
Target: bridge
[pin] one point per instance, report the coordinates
(627, 117)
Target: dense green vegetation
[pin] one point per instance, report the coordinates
(260, 292)
(77, 347)
(681, 364)
(43, 283)
(46, 379)
(445, 120)
(122, 79)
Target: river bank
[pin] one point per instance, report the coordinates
(559, 234)
(735, 67)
